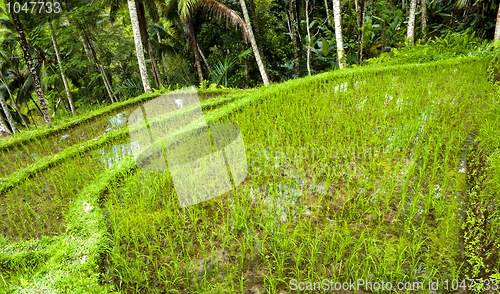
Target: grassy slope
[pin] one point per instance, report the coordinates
(354, 174)
(283, 119)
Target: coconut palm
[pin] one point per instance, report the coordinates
(31, 67)
(59, 62)
(14, 76)
(410, 34)
(255, 49)
(496, 37)
(6, 111)
(4, 130)
(186, 10)
(134, 19)
(141, 7)
(338, 33)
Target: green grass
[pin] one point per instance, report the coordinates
(30, 147)
(351, 177)
(48, 185)
(371, 173)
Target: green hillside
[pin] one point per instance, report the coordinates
(375, 176)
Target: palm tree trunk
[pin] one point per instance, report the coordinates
(338, 33)
(194, 46)
(31, 68)
(293, 35)
(360, 21)
(14, 104)
(146, 43)
(139, 50)
(496, 37)
(424, 19)
(204, 59)
(328, 15)
(63, 76)
(258, 59)
(88, 47)
(308, 44)
(11, 121)
(410, 36)
(4, 130)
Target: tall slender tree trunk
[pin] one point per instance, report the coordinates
(328, 15)
(13, 101)
(4, 130)
(309, 41)
(59, 62)
(410, 36)
(360, 21)
(338, 33)
(139, 50)
(194, 46)
(11, 121)
(31, 67)
(293, 35)
(424, 19)
(255, 48)
(204, 59)
(146, 43)
(496, 37)
(91, 54)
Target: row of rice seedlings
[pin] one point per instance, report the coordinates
(68, 262)
(55, 127)
(118, 148)
(356, 181)
(24, 153)
(74, 266)
(36, 206)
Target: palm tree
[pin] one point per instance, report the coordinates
(4, 130)
(63, 76)
(338, 33)
(496, 37)
(309, 41)
(186, 10)
(13, 75)
(141, 5)
(16, 81)
(410, 33)
(424, 19)
(293, 35)
(6, 111)
(138, 45)
(258, 59)
(31, 67)
(92, 57)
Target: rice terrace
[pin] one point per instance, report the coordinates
(276, 146)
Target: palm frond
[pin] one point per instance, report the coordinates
(186, 8)
(6, 23)
(221, 11)
(24, 92)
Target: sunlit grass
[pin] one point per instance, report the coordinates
(357, 174)
(352, 178)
